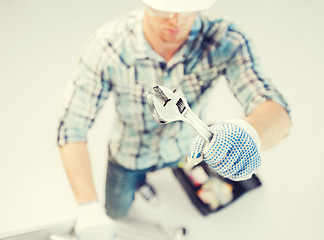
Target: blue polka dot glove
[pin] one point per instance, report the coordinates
(233, 152)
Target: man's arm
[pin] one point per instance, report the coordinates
(77, 165)
(92, 221)
(271, 121)
(84, 97)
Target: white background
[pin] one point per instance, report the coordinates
(40, 42)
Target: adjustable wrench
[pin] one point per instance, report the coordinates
(168, 106)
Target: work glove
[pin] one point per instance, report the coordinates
(233, 151)
(93, 223)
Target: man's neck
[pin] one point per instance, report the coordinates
(167, 52)
(164, 49)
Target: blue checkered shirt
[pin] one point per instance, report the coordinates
(118, 61)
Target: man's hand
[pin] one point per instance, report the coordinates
(233, 151)
(93, 223)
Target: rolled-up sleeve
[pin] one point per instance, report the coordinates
(245, 77)
(85, 93)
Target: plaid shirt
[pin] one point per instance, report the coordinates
(118, 60)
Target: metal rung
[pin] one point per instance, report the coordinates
(129, 229)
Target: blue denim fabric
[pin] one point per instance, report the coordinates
(121, 184)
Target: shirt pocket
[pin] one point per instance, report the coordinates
(195, 84)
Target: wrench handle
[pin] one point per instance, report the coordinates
(198, 125)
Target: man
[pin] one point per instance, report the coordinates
(169, 43)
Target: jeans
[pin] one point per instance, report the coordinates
(121, 184)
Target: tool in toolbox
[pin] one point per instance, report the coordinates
(193, 188)
(167, 106)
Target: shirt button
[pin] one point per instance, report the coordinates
(201, 83)
(165, 74)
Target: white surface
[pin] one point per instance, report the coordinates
(39, 45)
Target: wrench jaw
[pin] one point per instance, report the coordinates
(150, 100)
(168, 106)
(162, 104)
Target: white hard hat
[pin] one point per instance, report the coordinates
(179, 5)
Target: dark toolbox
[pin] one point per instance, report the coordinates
(210, 192)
